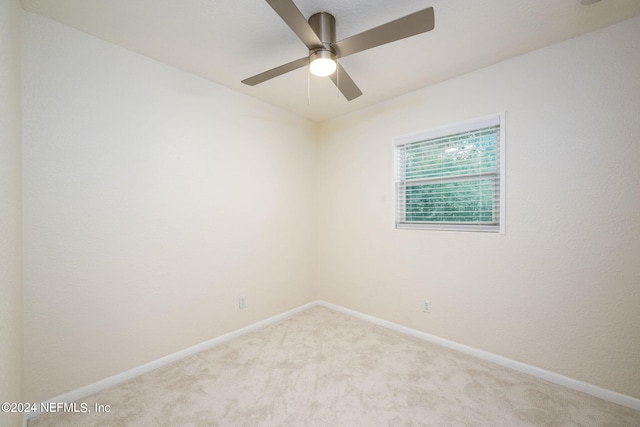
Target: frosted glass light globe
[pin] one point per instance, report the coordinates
(323, 63)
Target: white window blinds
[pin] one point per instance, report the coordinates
(451, 178)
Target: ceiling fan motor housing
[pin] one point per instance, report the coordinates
(324, 25)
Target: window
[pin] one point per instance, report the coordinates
(452, 177)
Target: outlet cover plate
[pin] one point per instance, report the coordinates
(426, 306)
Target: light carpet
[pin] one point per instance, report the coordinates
(324, 368)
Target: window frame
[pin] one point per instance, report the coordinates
(449, 130)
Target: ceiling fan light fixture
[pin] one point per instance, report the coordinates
(322, 63)
(318, 33)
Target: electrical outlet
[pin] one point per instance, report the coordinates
(242, 302)
(426, 306)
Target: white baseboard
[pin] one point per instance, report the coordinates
(106, 383)
(552, 377)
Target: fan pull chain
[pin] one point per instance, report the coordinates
(338, 83)
(308, 87)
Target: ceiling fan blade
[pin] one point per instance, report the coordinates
(416, 23)
(345, 84)
(292, 16)
(275, 72)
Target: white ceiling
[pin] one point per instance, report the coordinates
(226, 41)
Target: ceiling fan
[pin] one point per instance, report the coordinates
(319, 35)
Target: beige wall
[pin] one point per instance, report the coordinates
(561, 290)
(152, 200)
(10, 212)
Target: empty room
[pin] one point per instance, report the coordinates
(319, 213)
